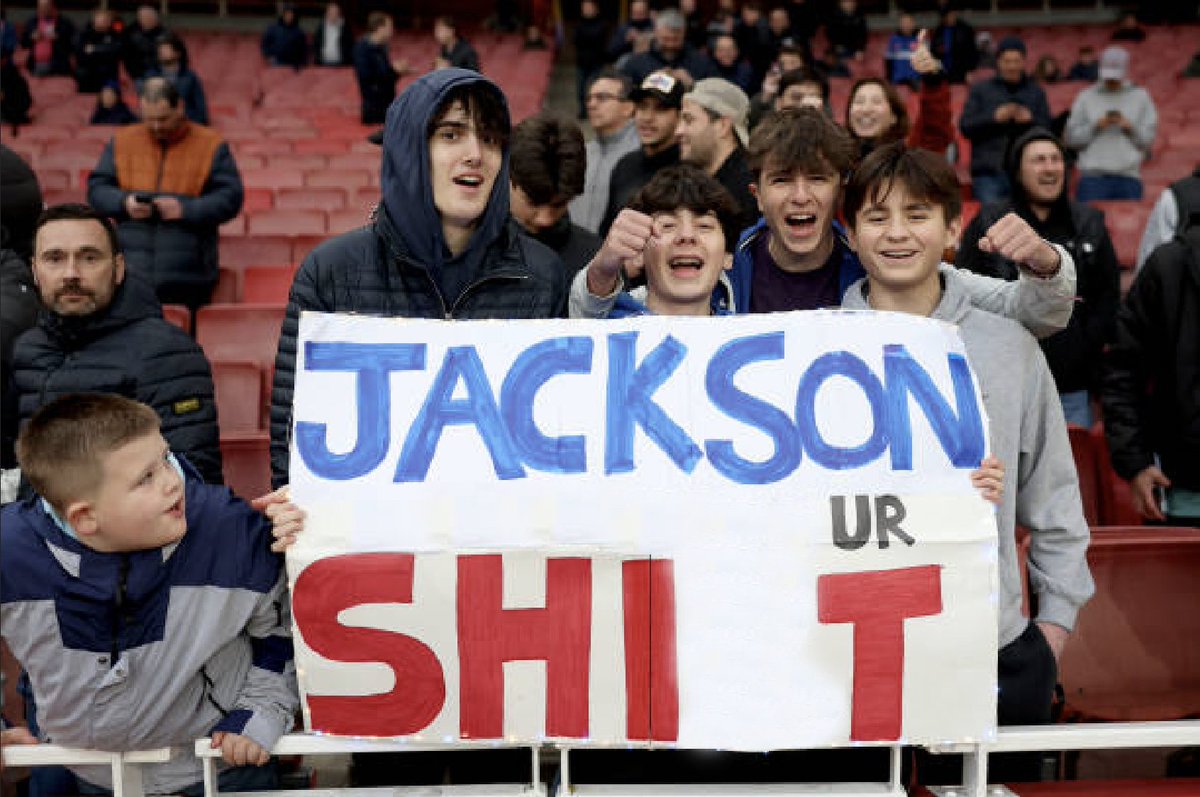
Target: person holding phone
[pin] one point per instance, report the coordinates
(1112, 125)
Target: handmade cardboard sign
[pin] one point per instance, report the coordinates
(746, 533)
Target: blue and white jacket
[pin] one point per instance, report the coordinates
(154, 648)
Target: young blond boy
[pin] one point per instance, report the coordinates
(146, 606)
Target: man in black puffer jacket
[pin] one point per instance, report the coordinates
(102, 331)
(1037, 173)
(442, 244)
(1152, 383)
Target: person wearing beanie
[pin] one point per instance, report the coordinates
(997, 111)
(110, 108)
(1036, 168)
(1112, 125)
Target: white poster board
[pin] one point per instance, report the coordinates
(745, 533)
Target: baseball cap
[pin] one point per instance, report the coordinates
(1114, 62)
(661, 85)
(724, 99)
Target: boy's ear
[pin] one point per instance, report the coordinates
(81, 516)
(954, 231)
(851, 237)
(728, 264)
(754, 193)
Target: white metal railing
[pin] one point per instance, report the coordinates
(127, 781)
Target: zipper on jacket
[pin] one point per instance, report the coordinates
(119, 608)
(467, 291)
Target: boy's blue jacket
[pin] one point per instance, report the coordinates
(741, 275)
(154, 648)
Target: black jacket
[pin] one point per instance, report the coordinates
(990, 139)
(18, 297)
(97, 58)
(1152, 380)
(345, 45)
(1075, 354)
(141, 49)
(61, 51)
(284, 44)
(693, 62)
(591, 40)
(127, 349)
(574, 245)
(376, 79)
(629, 174)
(397, 266)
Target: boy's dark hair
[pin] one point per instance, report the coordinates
(610, 73)
(923, 174)
(800, 139)
(376, 20)
(794, 77)
(75, 211)
(691, 188)
(61, 448)
(899, 129)
(447, 21)
(547, 159)
(485, 107)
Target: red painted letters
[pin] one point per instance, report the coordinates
(651, 686)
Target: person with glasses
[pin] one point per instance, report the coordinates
(610, 114)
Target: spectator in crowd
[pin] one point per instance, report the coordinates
(712, 135)
(694, 33)
(791, 57)
(908, 201)
(1037, 171)
(610, 114)
(797, 256)
(50, 39)
(998, 110)
(1171, 213)
(20, 205)
(453, 50)
(333, 43)
(102, 331)
(110, 108)
(729, 64)
(9, 40)
(753, 38)
(284, 42)
(1086, 66)
(799, 88)
(805, 17)
(141, 42)
(1193, 66)
(1112, 125)
(197, 624)
(779, 28)
(897, 59)
(847, 32)
(15, 97)
(591, 42)
(446, 138)
(625, 37)
(953, 43)
(669, 52)
(1046, 70)
(875, 113)
(1129, 29)
(374, 68)
(723, 21)
(689, 214)
(98, 54)
(1152, 383)
(546, 171)
(174, 67)
(169, 183)
(658, 101)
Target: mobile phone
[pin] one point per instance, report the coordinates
(143, 197)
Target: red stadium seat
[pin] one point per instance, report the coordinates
(240, 332)
(247, 463)
(1087, 465)
(272, 178)
(310, 198)
(240, 404)
(250, 250)
(1116, 501)
(267, 284)
(229, 286)
(256, 200)
(179, 315)
(345, 220)
(1135, 651)
(1126, 221)
(342, 178)
(287, 222)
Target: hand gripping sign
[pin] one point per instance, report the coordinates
(745, 533)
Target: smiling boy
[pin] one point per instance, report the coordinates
(903, 210)
(146, 606)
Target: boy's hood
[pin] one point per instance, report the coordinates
(405, 176)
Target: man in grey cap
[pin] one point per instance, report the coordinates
(712, 135)
(1112, 125)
